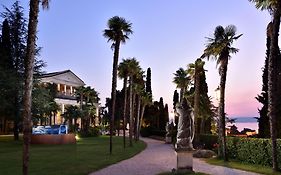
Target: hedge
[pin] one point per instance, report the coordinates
(249, 150)
(252, 150)
(149, 131)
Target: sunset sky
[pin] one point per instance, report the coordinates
(167, 35)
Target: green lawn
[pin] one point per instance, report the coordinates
(88, 155)
(243, 166)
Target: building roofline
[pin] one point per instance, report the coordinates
(52, 74)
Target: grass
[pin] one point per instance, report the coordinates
(243, 166)
(87, 155)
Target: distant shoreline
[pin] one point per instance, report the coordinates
(244, 119)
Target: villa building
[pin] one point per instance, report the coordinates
(66, 82)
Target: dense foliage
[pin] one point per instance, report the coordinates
(13, 43)
(252, 150)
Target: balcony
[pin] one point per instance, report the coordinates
(66, 95)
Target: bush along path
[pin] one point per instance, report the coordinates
(159, 157)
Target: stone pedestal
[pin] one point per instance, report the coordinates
(168, 140)
(184, 161)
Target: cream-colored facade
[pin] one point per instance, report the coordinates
(67, 82)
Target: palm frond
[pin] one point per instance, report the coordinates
(269, 5)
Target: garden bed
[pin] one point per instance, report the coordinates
(53, 139)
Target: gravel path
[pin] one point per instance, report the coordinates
(160, 157)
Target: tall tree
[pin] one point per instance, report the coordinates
(28, 83)
(7, 80)
(162, 120)
(18, 32)
(134, 69)
(175, 99)
(274, 7)
(195, 70)
(148, 81)
(263, 120)
(182, 81)
(123, 72)
(166, 113)
(146, 100)
(219, 47)
(118, 32)
(139, 87)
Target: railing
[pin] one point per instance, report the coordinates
(66, 95)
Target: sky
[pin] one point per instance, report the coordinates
(167, 35)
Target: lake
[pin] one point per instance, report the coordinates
(245, 122)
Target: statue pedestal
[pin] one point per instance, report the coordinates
(168, 140)
(184, 160)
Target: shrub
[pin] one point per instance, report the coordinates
(146, 132)
(149, 131)
(252, 150)
(91, 132)
(209, 141)
(158, 132)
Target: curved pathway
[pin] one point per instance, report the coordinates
(160, 157)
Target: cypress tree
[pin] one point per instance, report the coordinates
(161, 117)
(148, 81)
(166, 113)
(175, 99)
(205, 109)
(263, 120)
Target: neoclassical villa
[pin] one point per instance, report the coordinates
(66, 82)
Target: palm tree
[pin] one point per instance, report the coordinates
(134, 68)
(80, 94)
(28, 79)
(274, 8)
(219, 48)
(118, 32)
(182, 81)
(123, 72)
(87, 96)
(72, 112)
(146, 100)
(195, 70)
(139, 87)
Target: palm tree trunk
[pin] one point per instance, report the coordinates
(141, 117)
(138, 118)
(272, 87)
(181, 94)
(222, 137)
(29, 65)
(131, 112)
(55, 117)
(124, 110)
(134, 115)
(113, 90)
